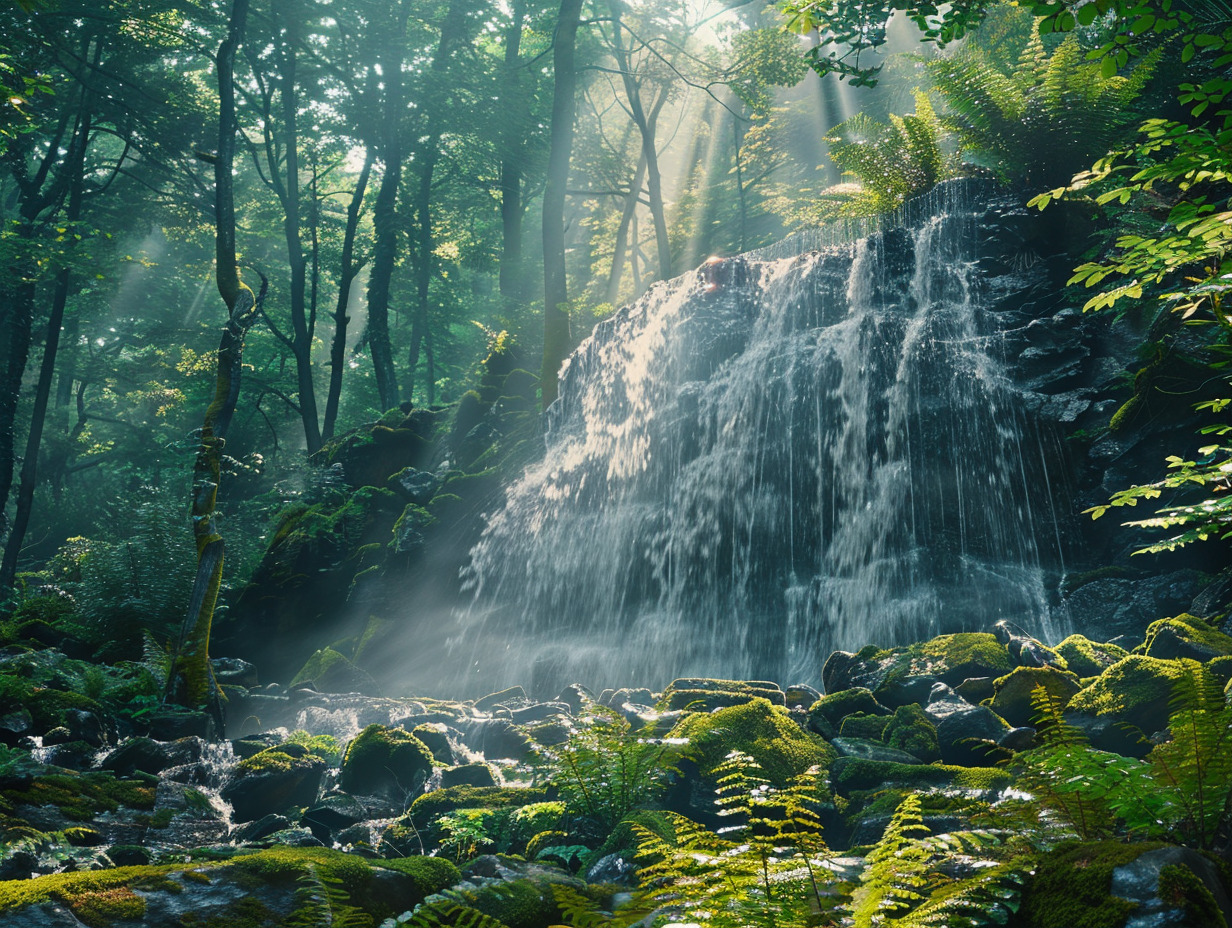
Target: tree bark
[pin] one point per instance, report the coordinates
(346, 278)
(384, 214)
(556, 341)
(191, 680)
(512, 284)
(650, 153)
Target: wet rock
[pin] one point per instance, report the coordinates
(801, 696)
(273, 780)
(496, 738)
(145, 755)
(871, 750)
(965, 733)
(1186, 636)
(469, 775)
(1014, 695)
(699, 694)
(335, 812)
(389, 762)
(1114, 606)
(263, 827)
(234, 672)
(14, 725)
(413, 485)
(170, 724)
(1140, 880)
(514, 694)
(639, 696)
(1018, 739)
(576, 697)
(539, 712)
(612, 869)
(826, 715)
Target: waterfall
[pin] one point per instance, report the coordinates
(813, 451)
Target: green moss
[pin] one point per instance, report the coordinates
(1135, 690)
(1013, 693)
(430, 806)
(385, 760)
(1181, 888)
(543, 840)
(518, 904)
(330, 672)
(1088, 658)
(1072, 887)
(967, 654)
(48, 706)
(869, 727)
(82, 797)
(66, 887)
(325, 747)
(282, 758)
(912, 731)
(765, 732)
(826, 714)
(162, 818)
(1202, 637)
(430, 874)
(101, 908)
(700, 694)
(849, 774)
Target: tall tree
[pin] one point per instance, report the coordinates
(191, 681)
(556, 341)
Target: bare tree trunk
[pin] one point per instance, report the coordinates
(646, 127)
(346, 278)
(556, 341)
(512, 284)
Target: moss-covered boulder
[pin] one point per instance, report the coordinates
(764, 731)
(856, 774)
(826, 714)
(1087, 658)
(897, 676)
(469, 775)
(1185, 636)
(1013, 693)
(863, 725)
(389, 762)
(331, 672)
(274, 780)
(1132, 696)
(261, 889)
(699, 694)
(417, 830)
(1072, 886)
(911, 730)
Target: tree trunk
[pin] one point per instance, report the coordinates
(512, 152)
(346, 278)
(622, 231)
(646, 127)
(191, 680)
(301, 338)
(556, 342)
(384, 214)
(42, 398)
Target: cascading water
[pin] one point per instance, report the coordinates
(822, 451)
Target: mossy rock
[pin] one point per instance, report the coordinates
(1013, 694)
(431, 806)
(1135, 691)
(469, 775)
(1181, 888)
(248, 890)
(79, 797)
(765, 732)
(1072, 886)
(699, 694)
(854, 774)
(518, 903)
(387, 762)
(912, 731)
(897, 676)
(48, 706)
(954, 658)
(1088, 658)
(331, 672)
(826, 714)
(862, 725)
(1185, 636)
(273, 780)
(410, 531)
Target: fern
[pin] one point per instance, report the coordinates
(1043, 117)
(322, 901)
(608, 769)
(578, 910)
(886, 162)
(1192, 771)
(897, 876)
